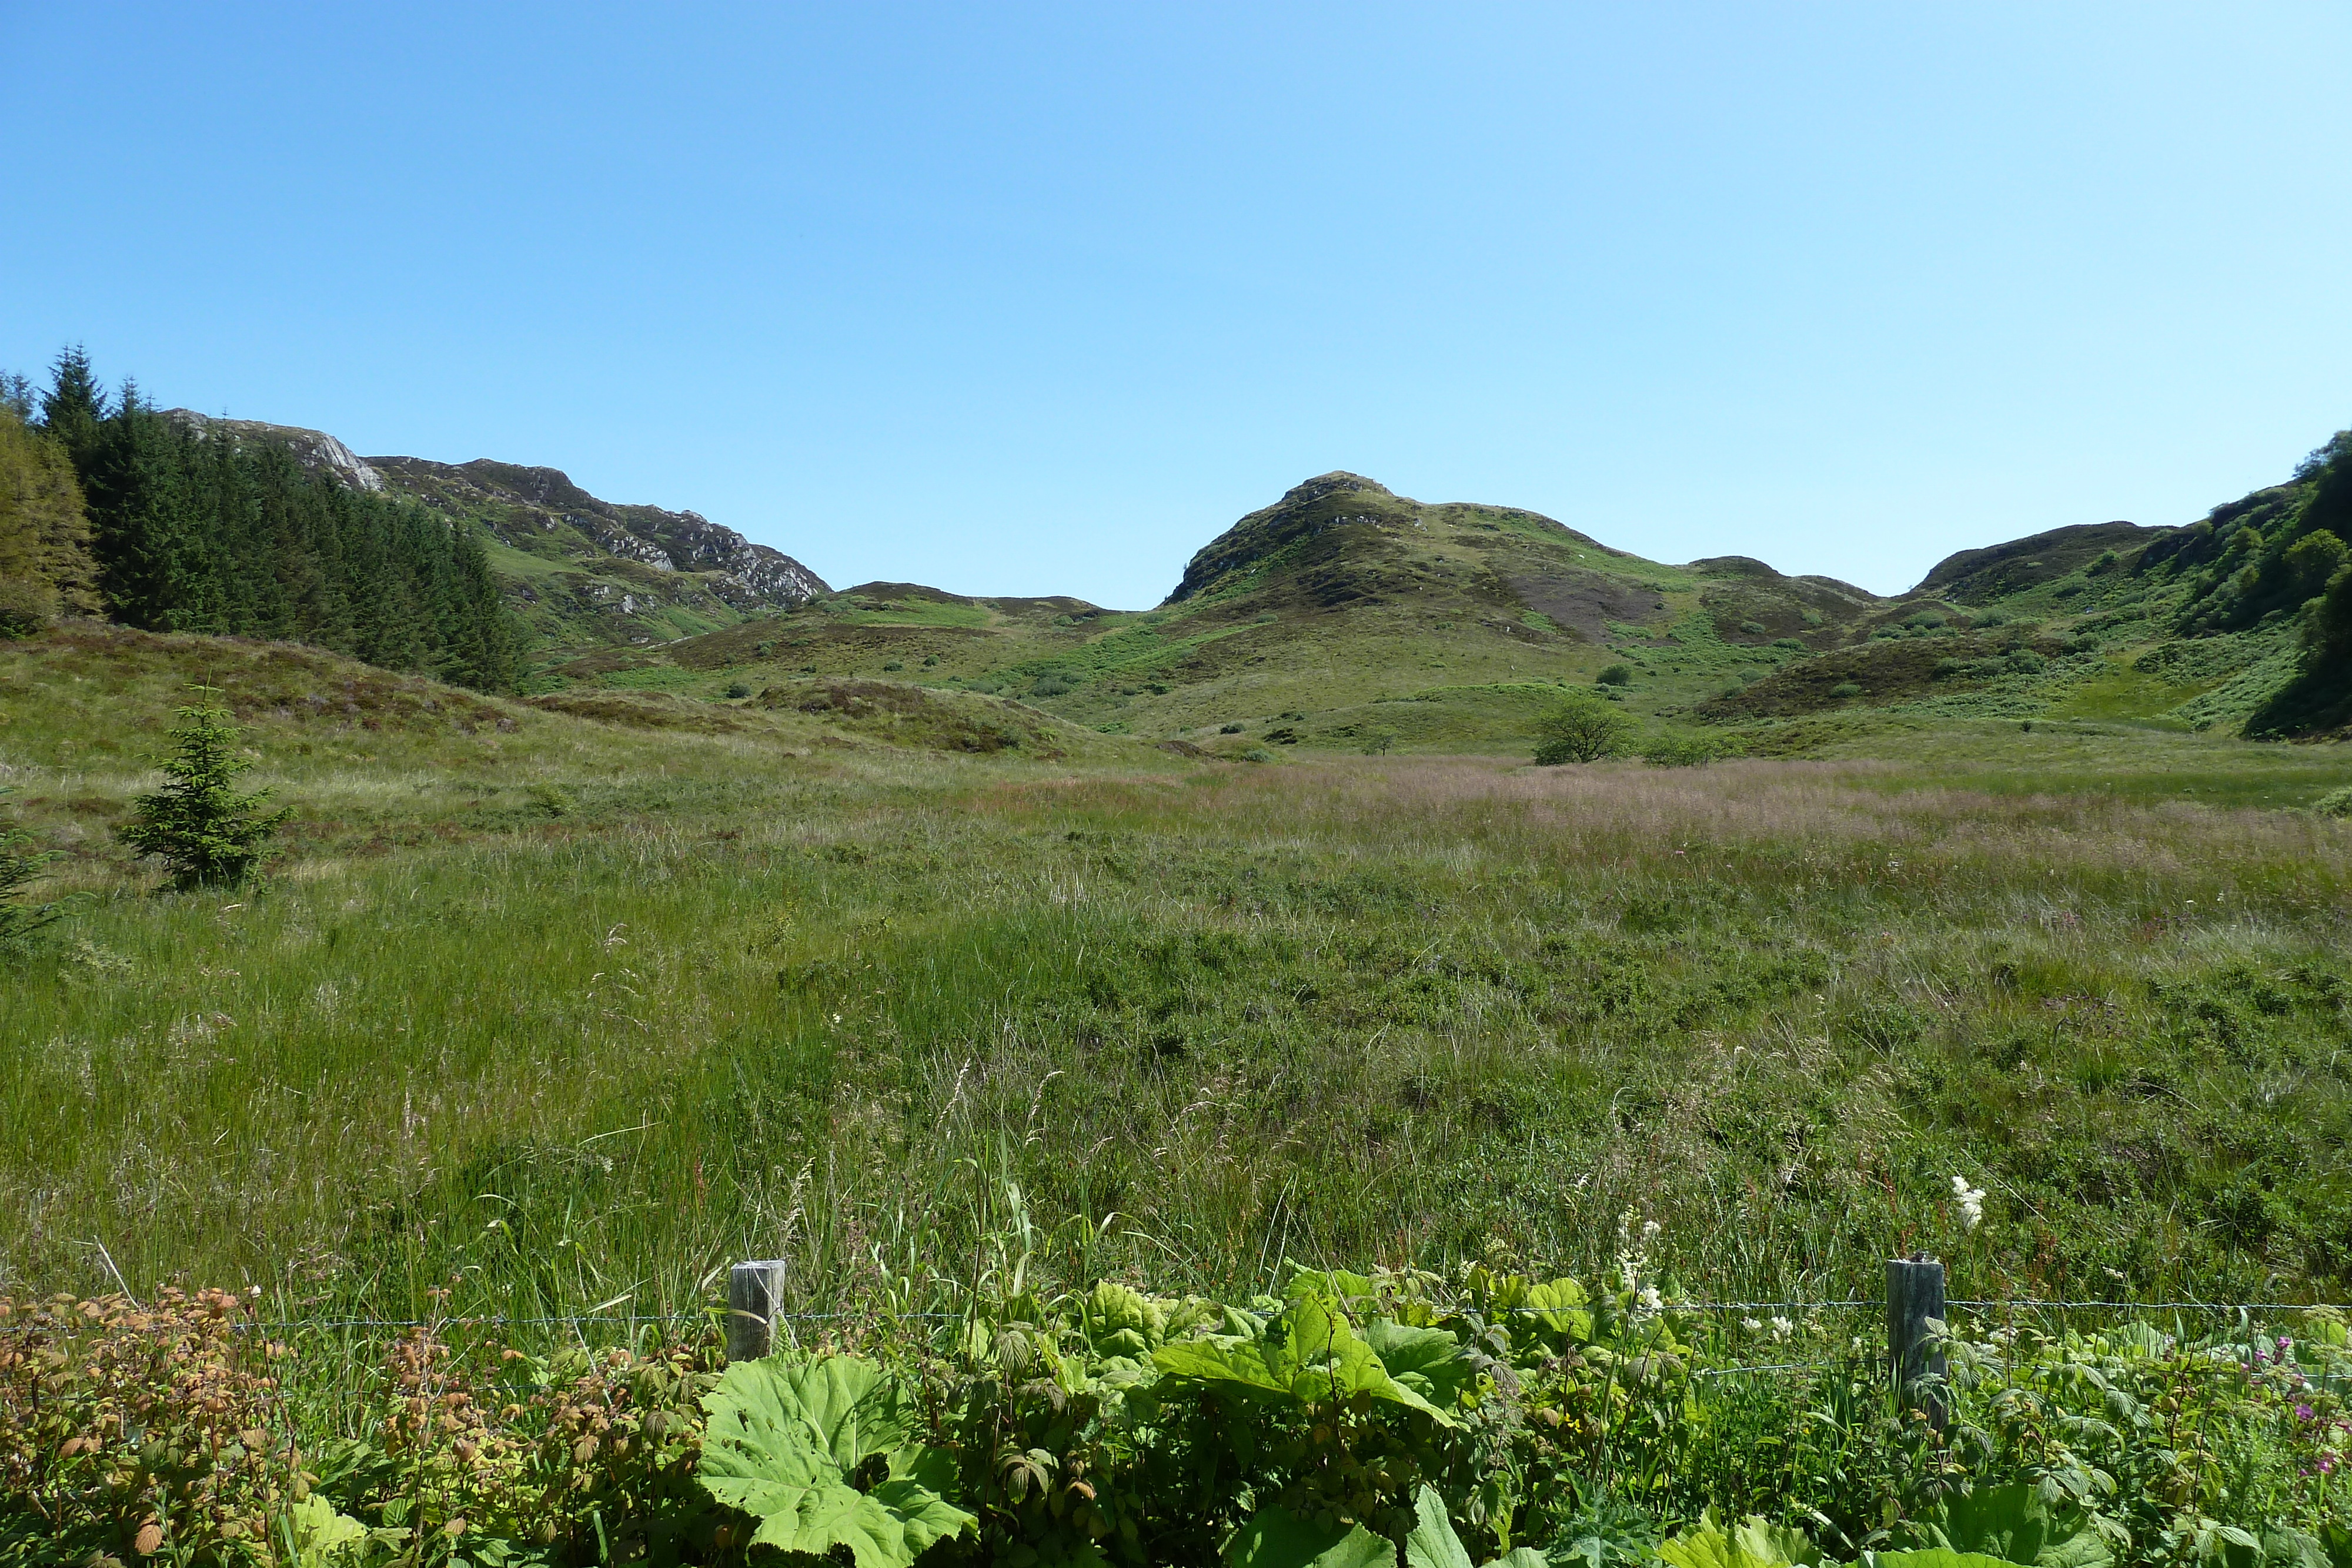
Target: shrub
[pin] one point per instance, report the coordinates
(1687, 749)
(2026, 662)
(1257, 754)
(738, 689)
(1580, 730)
(1615, 675)
(1380, 743)
(1233, 729)
(930, 660)
(197, 824)
(1791, 644)
(1753, 628)
(1049, 687)
(1845, 689)
(891, 664)
(2335, 803)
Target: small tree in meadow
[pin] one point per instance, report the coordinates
(197, 824)
(1581, 729)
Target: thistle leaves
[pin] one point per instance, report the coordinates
(827, 1453)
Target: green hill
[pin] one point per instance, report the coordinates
(1345, 617)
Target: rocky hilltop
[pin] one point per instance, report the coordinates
(580, 571)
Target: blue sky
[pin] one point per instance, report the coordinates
(1037, 299)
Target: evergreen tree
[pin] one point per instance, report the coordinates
(193, 532)
(197, 824)
(45, 561)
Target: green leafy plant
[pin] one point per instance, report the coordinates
(827, 1453)
(198, 825)
(1614, 675)
(1753, 1542)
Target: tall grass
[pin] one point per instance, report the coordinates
(734, 1003)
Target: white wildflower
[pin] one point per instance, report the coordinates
(1753, 1325)
(1650, 1228)
(1651, 1300)
(1781, 1327)
(1971, 1201)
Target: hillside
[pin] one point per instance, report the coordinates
(1342, 617)
(1345, 617)
(578, 570)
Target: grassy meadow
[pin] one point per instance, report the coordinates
(572, 1006)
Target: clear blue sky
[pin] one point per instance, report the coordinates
(1029, 298)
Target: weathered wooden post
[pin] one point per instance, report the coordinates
(1915, 1293)
(752, 1290)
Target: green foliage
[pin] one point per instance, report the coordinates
(1276, 1538)
(827, 1453)
(1581, 729)
(2014, 1523)
(1753, 1542)
(20, 866)
(1846, 689)
(1614, 675)
(197, 824)
(45, 563)
(2335, 803)
(214, 535)
(1690, 748)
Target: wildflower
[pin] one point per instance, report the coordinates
(1781, 1327)
(1971, 1201)
(1651, 1300)
(1752, 1325)
(1650, 1228)
(2302, 1412)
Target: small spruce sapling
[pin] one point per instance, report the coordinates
(197, 824)
(19, 864)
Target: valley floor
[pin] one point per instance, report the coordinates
(571, 1011)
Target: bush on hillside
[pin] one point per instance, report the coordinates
(1580, 730)
(1050, 686)
(1845, 689)
(2335, 803)
(1615, 675)
(1690, 750)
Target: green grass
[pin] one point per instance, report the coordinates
(586, 1007)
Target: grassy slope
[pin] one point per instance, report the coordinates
(653, 982)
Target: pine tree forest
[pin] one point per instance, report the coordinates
(238, 538)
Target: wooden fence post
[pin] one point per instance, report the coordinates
(752, 1293)
(1915, 1293)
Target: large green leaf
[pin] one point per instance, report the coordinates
(824, 1453)
(2013, 1524)
(1308, 1356)
(1938, 1557)
(1433, 1544)
(1277, 1538)
(1428, 1361)
(1751, 1543)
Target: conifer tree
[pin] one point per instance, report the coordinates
(197, 824)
